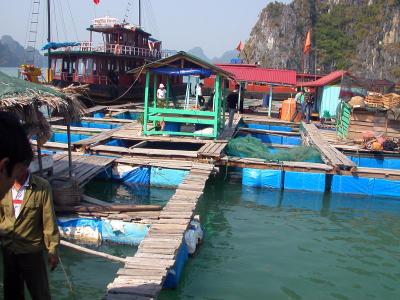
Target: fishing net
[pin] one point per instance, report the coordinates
(252, 147)
(12, 86)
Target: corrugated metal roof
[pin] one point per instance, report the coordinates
(332, 77)
(252, 73)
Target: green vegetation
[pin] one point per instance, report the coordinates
(342, 27)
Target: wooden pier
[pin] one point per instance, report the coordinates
(143, 275)
(329, 153)
(84, 167)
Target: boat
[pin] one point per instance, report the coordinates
(103, 66)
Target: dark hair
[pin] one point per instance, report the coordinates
(14, 143)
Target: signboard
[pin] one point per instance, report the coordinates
(236, 61)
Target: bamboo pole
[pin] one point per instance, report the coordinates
(92, 252)
(69, 150)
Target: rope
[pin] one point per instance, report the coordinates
(64, 28)
(55, 20)
(67, 278)
(73, 21)
(123, 95)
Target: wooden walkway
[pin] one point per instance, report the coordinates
(84, 167)
(295, 166)
(329, 153)
(104, 135)
(143, 275)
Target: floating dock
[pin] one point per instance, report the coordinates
(144, 274)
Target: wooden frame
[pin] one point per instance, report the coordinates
(154, 114)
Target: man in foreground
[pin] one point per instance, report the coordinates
(14, 150)
(28, 223)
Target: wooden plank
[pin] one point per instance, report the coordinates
(270, 132)
(150, 290)
(335, 157)
(125, 297)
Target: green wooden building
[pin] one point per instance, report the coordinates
(177, 115)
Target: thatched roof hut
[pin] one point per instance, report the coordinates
(33, 103)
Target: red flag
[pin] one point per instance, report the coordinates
(307, 45)
(96, 2)
(240, 47)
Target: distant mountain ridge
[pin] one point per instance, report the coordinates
(226, 57)
(12, 53)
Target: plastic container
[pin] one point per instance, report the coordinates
(172, 126)
(289, 109)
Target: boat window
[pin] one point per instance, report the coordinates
(89, 66)
(58, 66)
(81, 66)
(94, 68)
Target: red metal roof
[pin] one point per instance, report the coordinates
(332, 77)
(251, 73)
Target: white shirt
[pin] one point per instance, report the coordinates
(18, 196)
(199, 92)
(161, 93)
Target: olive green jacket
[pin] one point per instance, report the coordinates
(35, 229)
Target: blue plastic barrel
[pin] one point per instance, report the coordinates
(172, 126)
(265, 102)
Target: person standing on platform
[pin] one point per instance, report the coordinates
(299, 98)
(15, 150)
(161, 95)
(28, 226)
(309, 105)
(199, 94)
(232, 100)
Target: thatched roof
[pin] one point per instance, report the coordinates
(30, 102)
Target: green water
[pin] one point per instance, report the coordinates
(87, 274)
(112, 191)
(263, 244)
(269, 245)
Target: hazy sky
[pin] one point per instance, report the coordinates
(214, 25)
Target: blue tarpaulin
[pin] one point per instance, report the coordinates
(166, 177)
(365, 186)
(174, 275)
(54, 45)
(376, 162)
(262, 178)
(182, 72)
(139, 175)
(305, 181)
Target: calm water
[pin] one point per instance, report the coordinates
(10, 71)
(127, 194)
(269, 245)
(263, 244)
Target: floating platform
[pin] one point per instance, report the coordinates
(163, 249)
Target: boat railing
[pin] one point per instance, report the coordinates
(82, 78)
(122, 50)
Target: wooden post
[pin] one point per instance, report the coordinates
(223, 99)
(155, 77)
(39, 151)
(217, 105)
(240, 95)
(168, 90)
(69, 150)
(146, 102)
(92, 252)
(270, 101)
